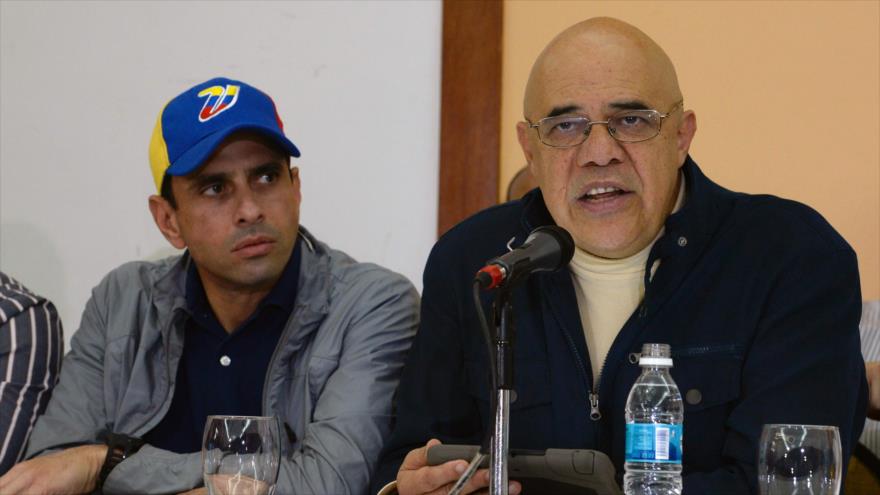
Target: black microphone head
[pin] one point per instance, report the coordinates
(546, 249)
(561, 237)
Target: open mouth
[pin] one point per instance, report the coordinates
(598, 194)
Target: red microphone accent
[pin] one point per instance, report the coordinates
(495, 272)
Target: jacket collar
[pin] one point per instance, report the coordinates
(313, 291)
(169, 288)
(701, 210)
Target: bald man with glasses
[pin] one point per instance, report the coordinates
(757, 296)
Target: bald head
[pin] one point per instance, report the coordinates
(600, 53)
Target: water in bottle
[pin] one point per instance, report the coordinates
(654, 417)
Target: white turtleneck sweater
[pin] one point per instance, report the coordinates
(608, 291)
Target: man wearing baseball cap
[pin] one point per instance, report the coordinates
(255, 318)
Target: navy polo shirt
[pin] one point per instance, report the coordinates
(220, 372)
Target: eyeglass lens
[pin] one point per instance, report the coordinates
(629, 126)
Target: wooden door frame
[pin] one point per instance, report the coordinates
(470, 109)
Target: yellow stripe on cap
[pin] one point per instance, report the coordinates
(213, 91)
(159, 161)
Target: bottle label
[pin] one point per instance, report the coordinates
(647, 442)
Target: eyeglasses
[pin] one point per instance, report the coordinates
(628, 126)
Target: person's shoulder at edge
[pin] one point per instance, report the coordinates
(762, 217)
(765, 217)
(133, 283)
(138, 274)
(16, 297)
(786, 220)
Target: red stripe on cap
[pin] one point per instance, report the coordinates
(278, 117)
(274, 109)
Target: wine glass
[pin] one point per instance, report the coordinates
(799, 460)
(240, 455)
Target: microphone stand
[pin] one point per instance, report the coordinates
(504, 339)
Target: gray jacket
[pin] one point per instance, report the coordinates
(331, 378)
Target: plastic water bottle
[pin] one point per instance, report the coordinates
(654, 417)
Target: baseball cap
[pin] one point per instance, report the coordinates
(193, 124)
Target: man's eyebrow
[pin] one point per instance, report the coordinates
(203, 180)
(274, 166)
(617, 105)
(629, 105)
(556, 111)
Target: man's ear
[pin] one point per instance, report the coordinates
(295, 183)
(686, 130)
(166, 219)
(522, 135)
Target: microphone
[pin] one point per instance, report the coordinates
(546, 249)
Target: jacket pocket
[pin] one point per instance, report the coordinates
(709, 383)
(707, 376)
(320, 369)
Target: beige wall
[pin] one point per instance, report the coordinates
(786, 96)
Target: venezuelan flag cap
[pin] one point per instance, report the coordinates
(195, 123)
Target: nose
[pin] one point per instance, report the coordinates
(248, 209)
(600, 148)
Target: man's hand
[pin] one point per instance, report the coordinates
(872, 372)
(415, 477)
(70, 471)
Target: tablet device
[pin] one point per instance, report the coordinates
(552, 471)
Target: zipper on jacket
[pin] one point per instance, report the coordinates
(595, 415)
(593, 398)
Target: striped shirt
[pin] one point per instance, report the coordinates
(869, 328)
(31, 347)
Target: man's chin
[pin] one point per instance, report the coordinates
(261, 275)
(610, 247)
